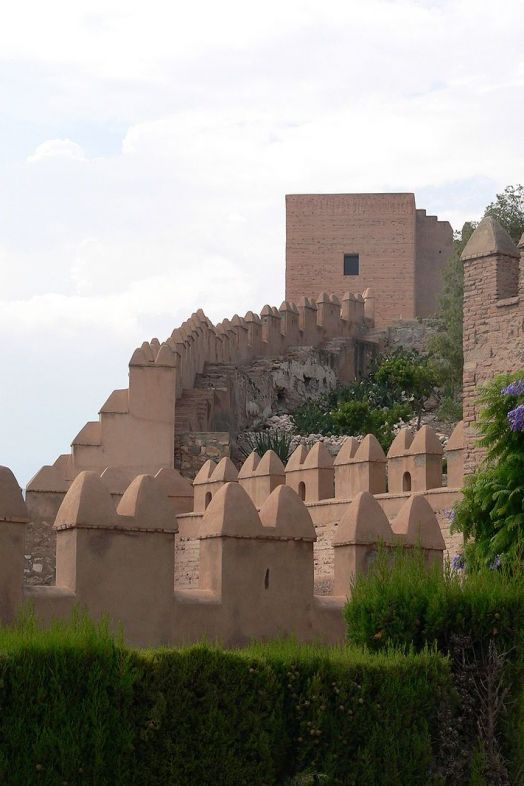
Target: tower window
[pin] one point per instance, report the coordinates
(351, 264)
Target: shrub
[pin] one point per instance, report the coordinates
(66, 705)
(78, 708)
(491, 513)
(350, 716)
(476, 619)
(269, 439)
(396, 388)
(314, 417)
(359, 417)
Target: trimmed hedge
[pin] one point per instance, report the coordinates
(76, 707)
(477, 619)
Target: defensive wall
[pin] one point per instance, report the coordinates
(201, 377)
(493, 317)
(381, 241)
(255, 572)
(136, 426)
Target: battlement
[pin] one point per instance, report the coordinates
(136, 426)
(116, 553)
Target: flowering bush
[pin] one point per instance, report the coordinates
(491, 514)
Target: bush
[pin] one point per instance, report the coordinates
(315, 416)
(78, 708)
(396, 388)
(476, 619)
(491, 513)
(66, 706)
(359, 417)
(270, 439)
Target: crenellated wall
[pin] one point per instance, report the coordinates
(116, 553)
(329, 488)
(136, 426)
(493, 318)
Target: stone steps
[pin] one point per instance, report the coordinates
(194, 410)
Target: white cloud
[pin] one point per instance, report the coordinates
(162, 138)
(57, 148)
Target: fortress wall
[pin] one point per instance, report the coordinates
(136, 427)
(326, 516)
(329, 489)
(115, 557)
(320, 229)
(493, 319)
(434, 245)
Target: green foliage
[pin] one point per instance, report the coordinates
(314, 416)
(350, 716)
(269, 439)
(491, 513)
(508, 210)
(78, 708)
(477, 619)
(396, 388)
(360, 417)
(405, 376)
(66, 706)
(403, 602)
(208, 717)
(446, 345)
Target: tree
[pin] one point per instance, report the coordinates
(508, 210)
(446, 345)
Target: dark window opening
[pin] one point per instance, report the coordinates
(406, 482)
(266, 579)
(302, 491)
(207, 499)
(351, 264)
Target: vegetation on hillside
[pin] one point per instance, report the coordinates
(397, 388)
(508, 210)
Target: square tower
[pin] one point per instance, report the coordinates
(348, 242)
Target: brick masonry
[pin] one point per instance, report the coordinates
(401, 250)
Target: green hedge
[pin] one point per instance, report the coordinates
(78, 708)
(477, 619)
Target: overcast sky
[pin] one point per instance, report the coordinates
(146, 148)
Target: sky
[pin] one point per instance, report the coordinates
(146, 150)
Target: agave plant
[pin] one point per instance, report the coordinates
(269, 439)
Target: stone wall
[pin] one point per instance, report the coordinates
(194, 448)
(411, 334)
(117, 549)
(493, 318)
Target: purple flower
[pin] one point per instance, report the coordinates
(457, 563)
(450, 515)
(516, 418)
(514, 388)
(495, 563)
